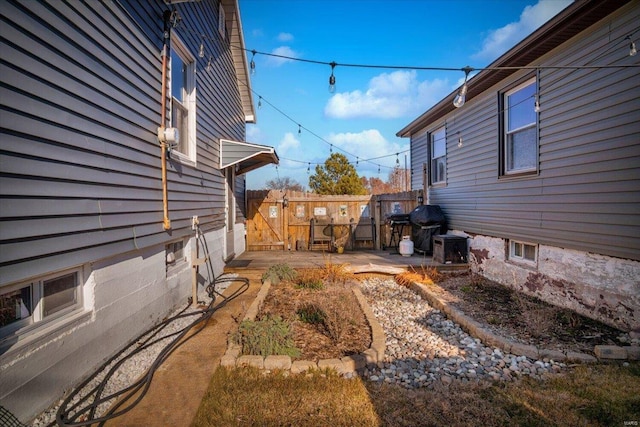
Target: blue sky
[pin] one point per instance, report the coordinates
(369, 105)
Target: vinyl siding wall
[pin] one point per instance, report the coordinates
(80, 177)
(81, 89)
(586, 195)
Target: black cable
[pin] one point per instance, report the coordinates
(75, 415)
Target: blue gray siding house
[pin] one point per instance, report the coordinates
(97, 197)
(540, 167)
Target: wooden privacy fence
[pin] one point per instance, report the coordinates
(279, 220)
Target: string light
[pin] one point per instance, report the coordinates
(299, 129)
(309, 167)
(259, 102)
(536, 103)
(378, 169)
(462, 95)
(252, 65)
(632, 47)
(331, 149)
(332, 78)
(397, 160)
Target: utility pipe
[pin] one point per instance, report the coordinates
(163, 117)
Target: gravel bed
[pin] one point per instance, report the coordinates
(423, 347)
(133, 367)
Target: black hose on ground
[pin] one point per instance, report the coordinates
(76, 415)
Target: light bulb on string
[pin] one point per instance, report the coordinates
(331, 148)
(299, 130)
(259, 102)
(252, 64)
(461, 97)
(397, 160)
(536, 103)
(332, 78)
(357, 161)
(308, 167)
(632, 49)
(378, 169)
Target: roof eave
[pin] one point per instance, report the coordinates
(569, 22)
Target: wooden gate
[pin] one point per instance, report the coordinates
(278, 220)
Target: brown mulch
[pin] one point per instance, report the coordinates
(525, 319)
(509, 314)
(314, 340)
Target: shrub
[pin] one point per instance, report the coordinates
(425, 275)
(265, 337)
(336, 273)
(278, 272)
(338, 311)
(310, 279)
(311, 313)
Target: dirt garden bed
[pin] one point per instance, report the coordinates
(326, 321)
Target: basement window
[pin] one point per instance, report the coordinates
(174, 255)
(523, 252)
(24, 306)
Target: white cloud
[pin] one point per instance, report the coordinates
(288, 142)
(532, 17)
(367, 144)
(284, 51)
(389, 95)
(285, 37)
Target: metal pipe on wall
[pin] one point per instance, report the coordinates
(163, 117)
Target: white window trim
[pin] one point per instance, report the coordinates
(431, 158)
(37, 321)
(190, 100)
(506, 171)
(520, 259)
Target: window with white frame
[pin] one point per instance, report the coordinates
(523, 252)
(26, 305)
(520, 123)
(438, 156)
(183, 99)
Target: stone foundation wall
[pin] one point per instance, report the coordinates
(597, 286)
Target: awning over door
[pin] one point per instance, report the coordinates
(245, 155)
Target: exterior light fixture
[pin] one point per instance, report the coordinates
(420, 199)
(201, 51)
(462, 95)
(632, 48)
(285, 202)
(459, 140)
(332, 79)
(536, 103)
(209, 64)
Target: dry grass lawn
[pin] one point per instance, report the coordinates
(593, 395)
